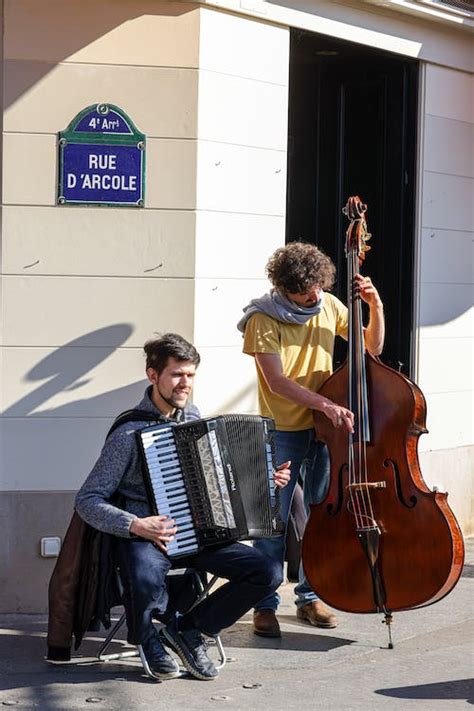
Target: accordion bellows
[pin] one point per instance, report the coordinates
(215, 478)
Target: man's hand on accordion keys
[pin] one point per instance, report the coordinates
(282, 474)
(158, 529)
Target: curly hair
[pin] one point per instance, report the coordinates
(297, 267)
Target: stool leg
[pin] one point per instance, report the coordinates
(144, 662)
(221, 650)
(119, 655)
(204, 592)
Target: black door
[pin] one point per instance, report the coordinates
(352, 131)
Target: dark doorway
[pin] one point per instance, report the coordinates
(352, 131)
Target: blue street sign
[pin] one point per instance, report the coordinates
(97, 173)
(101, 159)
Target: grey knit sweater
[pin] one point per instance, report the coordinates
(119, 469)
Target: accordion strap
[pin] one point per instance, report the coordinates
(134, 415)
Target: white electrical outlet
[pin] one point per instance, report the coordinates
(50, 546)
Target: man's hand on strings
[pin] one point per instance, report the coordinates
(340, 416)
(282, 474)
(158, 529)
(368, 292)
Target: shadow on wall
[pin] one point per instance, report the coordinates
(69, 31)
(66, 369)
(450, 305)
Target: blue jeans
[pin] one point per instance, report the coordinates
(310, 459)
(143, 567)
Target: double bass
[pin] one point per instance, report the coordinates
(382, 540)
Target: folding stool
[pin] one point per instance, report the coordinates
(204, 590)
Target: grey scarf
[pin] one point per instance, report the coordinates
(278, 306)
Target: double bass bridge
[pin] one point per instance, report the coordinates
(363, 485)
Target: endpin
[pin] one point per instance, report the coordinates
(388, 621)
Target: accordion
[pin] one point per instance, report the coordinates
(214, 477)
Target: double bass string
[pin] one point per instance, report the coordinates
(364, 433)
(356, 502)
(360, 500)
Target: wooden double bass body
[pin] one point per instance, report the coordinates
(381, 541)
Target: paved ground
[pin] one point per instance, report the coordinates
(346, 668)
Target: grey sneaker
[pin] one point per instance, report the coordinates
(191, 648)
(156, 660)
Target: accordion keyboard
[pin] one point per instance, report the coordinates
(170, 495)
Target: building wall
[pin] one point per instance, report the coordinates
(241, 199)
(446, 330)
(83, 288)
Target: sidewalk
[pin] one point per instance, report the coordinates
(344, 668)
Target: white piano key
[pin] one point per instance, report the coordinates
(184, 528)
(161, 486)
(177, 506)
(187, 540)
(174, 495)
(173, 481)
(153, 459)
(160, 461)
(162, 452)
(153, 438)
(170, 500)
(160, 473)
(170, 488)
(188, 550)
(165, 507)
(187, 543)
(164, 470)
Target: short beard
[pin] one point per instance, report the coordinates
(170, 401)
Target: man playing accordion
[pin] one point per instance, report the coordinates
(141, 538)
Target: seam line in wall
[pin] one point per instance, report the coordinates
(450, 175)
(118, 65)
(449, 118)
(186, 139)
(447, 229)
(149, 209)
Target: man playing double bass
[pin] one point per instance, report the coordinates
(290, 331)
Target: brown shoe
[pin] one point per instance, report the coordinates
(317, 614)
(265, 624)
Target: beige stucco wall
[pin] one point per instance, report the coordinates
(445, 287)
(83, 288)
(241, 193)
(446, 239)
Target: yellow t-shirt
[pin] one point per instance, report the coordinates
(306, 353)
